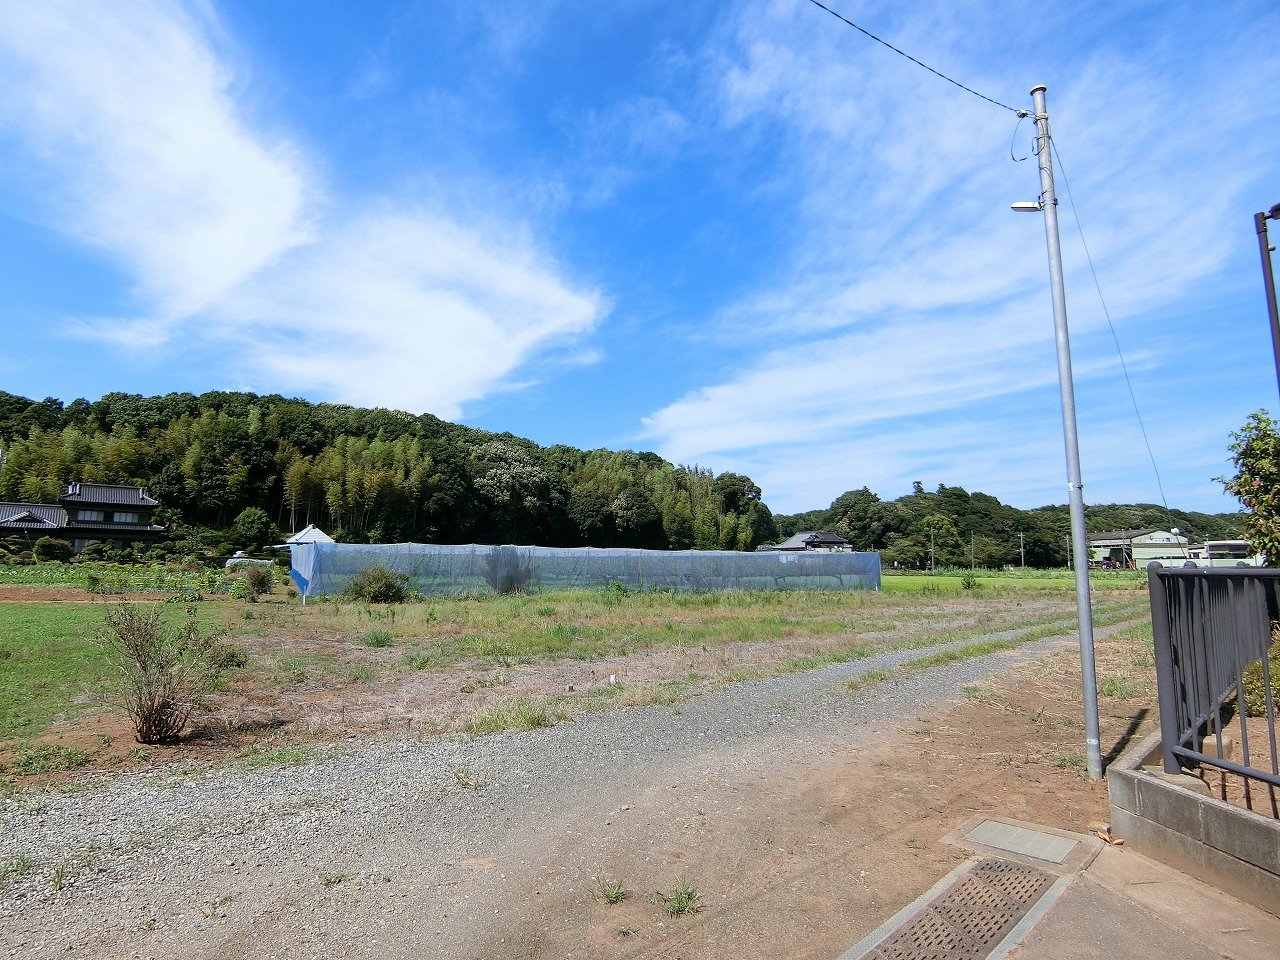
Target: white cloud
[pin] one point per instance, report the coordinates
(910, 290)
(129, 112)
(408, 310)
(136, 124)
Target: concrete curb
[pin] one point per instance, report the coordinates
(1236, 850)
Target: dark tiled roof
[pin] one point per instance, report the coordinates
(810, 538)
(46, 514)
(92, 493)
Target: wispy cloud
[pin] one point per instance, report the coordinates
(914, 304)
(139, 125)
(407, 309)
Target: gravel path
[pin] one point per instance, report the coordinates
(378, 849)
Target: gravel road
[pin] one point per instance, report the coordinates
(378, 849)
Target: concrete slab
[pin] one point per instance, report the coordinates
(1126, 905)
(1028, 843)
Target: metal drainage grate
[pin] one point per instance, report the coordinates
(966, 921)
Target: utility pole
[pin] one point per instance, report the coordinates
(972, 561)
(1075, 487)
(1022, 548)
(932, 567)
(1269, 279)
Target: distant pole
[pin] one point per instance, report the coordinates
(972, 562)
(1075, 487)
(1269, 279)
(1022, 548)
(932, 567)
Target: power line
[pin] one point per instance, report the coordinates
(1114, 336)
(918, 63)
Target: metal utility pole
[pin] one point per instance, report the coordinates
(1269, 279)
(1075, 487)
(1022, 548)
(932, 568)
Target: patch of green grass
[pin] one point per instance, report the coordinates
(517, 714)
(867, 679)
(1119, 687)
(15, 868)
(283, 755)
(332, 878)
(1070, 761)
(683, 899)
(376, 637)
(358, 673)
(610, 891)
(47, 758)
(468, 779)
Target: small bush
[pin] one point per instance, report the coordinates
(682, 900)
(48, 548)
(376, 638)
(377, 584)
(968, 580)
(610, 891)
(257, 582)
(1255, 690)
(162, 673)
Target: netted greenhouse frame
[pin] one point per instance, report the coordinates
(321, 569)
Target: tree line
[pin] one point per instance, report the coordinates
(367, 475)
(377, 475)
(959, 528)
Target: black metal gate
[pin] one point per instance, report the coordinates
(1210, 625)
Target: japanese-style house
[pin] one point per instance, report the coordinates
(119, 516)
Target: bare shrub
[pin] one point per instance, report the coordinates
(162, 671)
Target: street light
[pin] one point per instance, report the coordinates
(1048, 205)
(1268, 278)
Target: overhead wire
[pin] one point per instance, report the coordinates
(1022, 114)
(1124, 367)
(919, 63)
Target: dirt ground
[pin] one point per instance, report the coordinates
(820, 862)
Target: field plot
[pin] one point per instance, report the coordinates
(334, 669)
(786, 816)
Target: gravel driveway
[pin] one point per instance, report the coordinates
(393, 849)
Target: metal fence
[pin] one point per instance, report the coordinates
(1213, 630)
(480, 569)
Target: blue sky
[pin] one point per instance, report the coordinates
(739, 234)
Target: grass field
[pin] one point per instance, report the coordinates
(51, 670)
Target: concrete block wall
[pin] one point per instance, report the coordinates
(1234, 849)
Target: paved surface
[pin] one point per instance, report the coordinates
(1125, 905)
(1109, 903)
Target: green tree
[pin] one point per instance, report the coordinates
(254, 529)
(1256, 484)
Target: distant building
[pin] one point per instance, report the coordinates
(1134, 549)
(1225, 553)
(812, 540)
(108, 513)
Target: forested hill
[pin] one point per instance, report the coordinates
(957, 521)
(368, 475)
